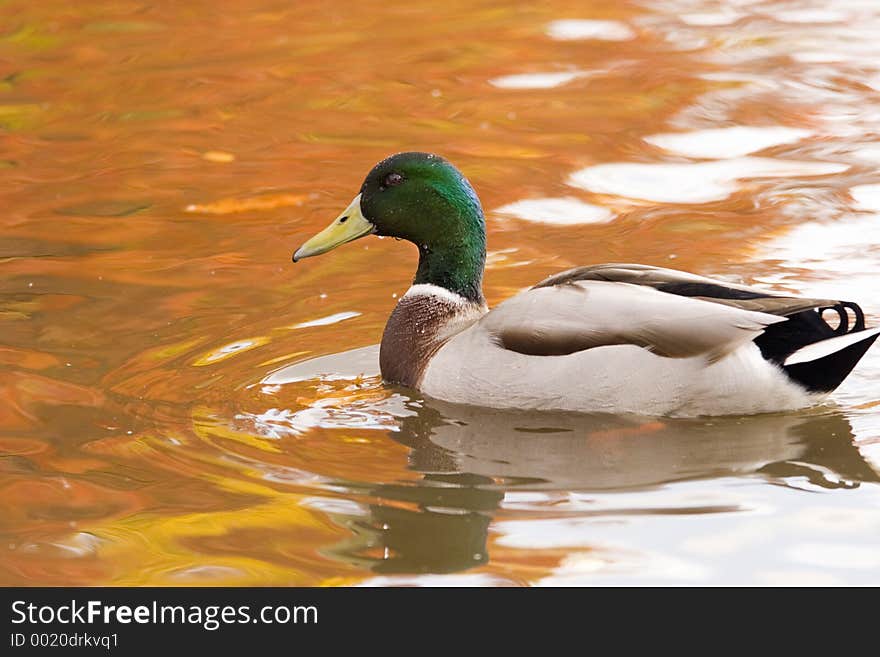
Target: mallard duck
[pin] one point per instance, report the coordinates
(619, 338)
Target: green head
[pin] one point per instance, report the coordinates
(421, 198)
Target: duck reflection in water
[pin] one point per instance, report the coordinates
(470, 457)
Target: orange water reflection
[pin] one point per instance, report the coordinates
(160, 163)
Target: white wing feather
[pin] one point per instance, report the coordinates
(581, 315)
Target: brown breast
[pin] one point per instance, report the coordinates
(420, 324)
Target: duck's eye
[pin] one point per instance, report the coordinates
(393, 179)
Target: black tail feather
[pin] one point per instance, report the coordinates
(780, 341)
(825, 374)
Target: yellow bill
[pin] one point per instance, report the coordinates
(348, 226)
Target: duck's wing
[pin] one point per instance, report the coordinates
(810, 350)
(554, 320)
(684, 284)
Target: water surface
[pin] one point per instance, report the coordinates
(162, 417)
